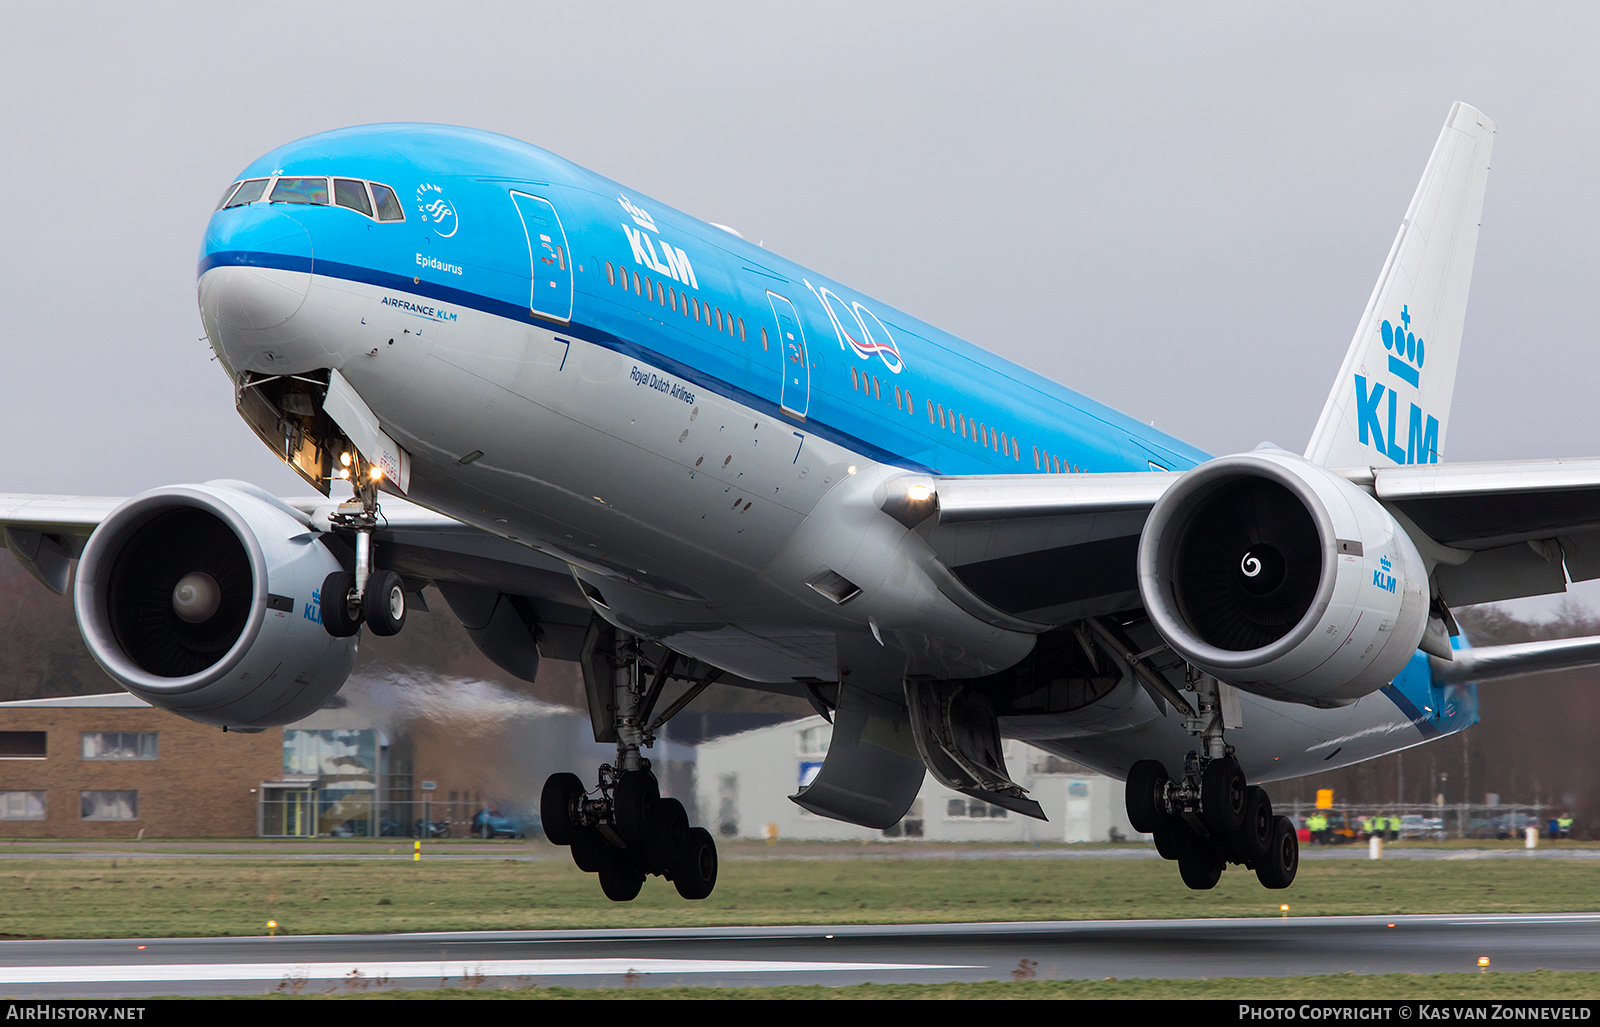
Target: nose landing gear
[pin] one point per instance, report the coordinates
(367, 595)
(1211, 816)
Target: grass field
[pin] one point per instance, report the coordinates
(327, 892)
(322, 894)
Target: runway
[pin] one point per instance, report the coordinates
(731, 956)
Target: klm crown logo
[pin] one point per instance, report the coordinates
(1382, 577)
(1376, 399)
(1406, 359)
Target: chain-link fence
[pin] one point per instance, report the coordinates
(310, 813)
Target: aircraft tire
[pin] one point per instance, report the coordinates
(1222, 796)
(590, 853)
(696, 873)
(383, 604)
(1253, 840)
(1282, 862)
(1200, 872)
(1174, 840)
(1147, 780)
(336, 617)
(668, 837)
(555, 807)
(620, 880)
(634, 801)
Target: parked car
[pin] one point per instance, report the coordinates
(1417, 826)
(491, 823)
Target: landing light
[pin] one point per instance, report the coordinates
(344, 458)
(377, 472)
(919, 493)
(851, 469)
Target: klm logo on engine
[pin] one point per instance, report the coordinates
(1378, 403)
(1381, 577)
(313, 611)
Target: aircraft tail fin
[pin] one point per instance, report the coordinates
(1391, 401)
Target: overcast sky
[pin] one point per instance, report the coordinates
(1178, 209)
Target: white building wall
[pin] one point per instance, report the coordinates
(743, 783)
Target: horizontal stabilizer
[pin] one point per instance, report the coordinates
(1504, 661)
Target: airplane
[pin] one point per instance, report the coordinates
(611, 433)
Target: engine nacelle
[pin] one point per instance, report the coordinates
(1278, 576)
(204, 600)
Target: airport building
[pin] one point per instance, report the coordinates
(112, 766)
(743, 782)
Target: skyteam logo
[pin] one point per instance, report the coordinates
(1406, 353)
(850, 324)
(439, 212)
(640, 216)
(1383, 577)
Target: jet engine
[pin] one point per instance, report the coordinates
(1273, 574)
(204, 600)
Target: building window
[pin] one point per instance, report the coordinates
(813, 741)
(968, 808)
(120, 745)
(110, 805)
(21, 805)
(910, 826)
(22, 745)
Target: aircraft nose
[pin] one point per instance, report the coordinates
(256, 266)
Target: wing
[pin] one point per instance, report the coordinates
(1054, 550)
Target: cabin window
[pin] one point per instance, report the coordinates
(855, 380)
(897, 405)
(1036, 458)
(931, 419)
(763, 339)
(637, 291)
(877, 392)
(347, 192)
(301, 190)
(1005, 446)
(963, 418)
(741, 330)
(910, 407)
(672, 299)
(941, 415)
(697, 308)
(611, 274)
(388, 204)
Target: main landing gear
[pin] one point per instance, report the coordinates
(366, 595)
(628, 831)
(1211, 817)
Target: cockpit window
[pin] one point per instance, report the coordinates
(388, 204)
(249, 192)
(347, 192)
(301, 190)
(225, 194)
